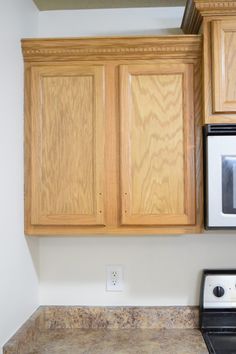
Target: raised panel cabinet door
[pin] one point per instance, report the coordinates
(67, 145)
(157, 144)
(224, 65)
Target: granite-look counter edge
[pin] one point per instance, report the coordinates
(27, 334)
(55, 319)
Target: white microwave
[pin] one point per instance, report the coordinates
(220, 176)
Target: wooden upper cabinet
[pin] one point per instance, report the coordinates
(224, 65)
(216, 21)
(157, 144)
(113, 135)
(67, 145)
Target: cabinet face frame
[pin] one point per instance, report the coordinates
(36, 163)
(187, 217)
(221, 78)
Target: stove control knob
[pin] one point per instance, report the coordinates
(218, 291)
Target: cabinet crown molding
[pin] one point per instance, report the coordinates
(195, 10)
(48, 50)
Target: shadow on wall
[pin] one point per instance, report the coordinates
(33, 246)
(162, 32)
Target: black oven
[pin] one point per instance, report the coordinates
(218, 310)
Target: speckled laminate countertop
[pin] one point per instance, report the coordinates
(77, 330)
(124, 341)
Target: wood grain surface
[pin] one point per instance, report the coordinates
(216, 21)
(156, 161)
(96, 65)
(224, 65)
(111, 48)
(67, 146)
(196, 11)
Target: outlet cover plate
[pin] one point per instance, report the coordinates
(114, 278)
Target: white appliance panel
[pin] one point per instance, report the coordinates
(219, 147)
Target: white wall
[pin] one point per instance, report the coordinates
(103, 22)
(18, 277)
(159, 270)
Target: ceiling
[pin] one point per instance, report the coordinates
(45, 5)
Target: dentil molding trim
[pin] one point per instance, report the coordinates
(195, 10)
(47, 50)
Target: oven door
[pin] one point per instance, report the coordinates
(220, 202)
(220, 342)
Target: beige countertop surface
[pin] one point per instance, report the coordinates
(109, 330)
(119, 341)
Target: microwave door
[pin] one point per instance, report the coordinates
(229, 184)
(221, 182)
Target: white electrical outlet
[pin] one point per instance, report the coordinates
(115, 278)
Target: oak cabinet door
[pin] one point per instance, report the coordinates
(224, 65)
(67, 145)
(157, 144)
